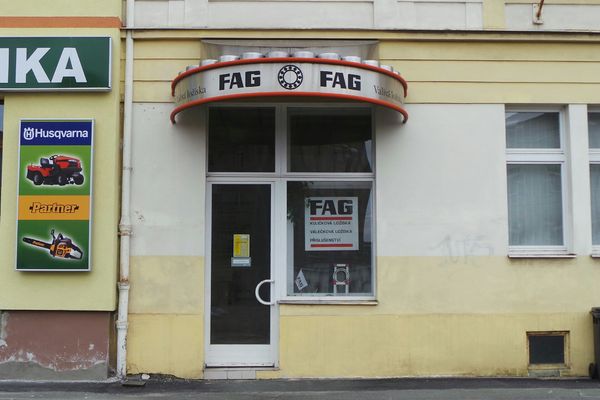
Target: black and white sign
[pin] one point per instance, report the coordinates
(331, 224)
(288, 77)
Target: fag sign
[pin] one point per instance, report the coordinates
(331, 224)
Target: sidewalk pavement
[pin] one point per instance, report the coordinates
(334, 389)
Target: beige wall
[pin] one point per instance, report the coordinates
(449, 300)
(492, 69)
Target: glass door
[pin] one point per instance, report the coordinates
(241, 316)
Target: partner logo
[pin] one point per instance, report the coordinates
(53, 208)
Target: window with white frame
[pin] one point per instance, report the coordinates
(321, 161)
(594, 144)
(536, 165)
(330, 202)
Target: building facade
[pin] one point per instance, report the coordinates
(287, 205)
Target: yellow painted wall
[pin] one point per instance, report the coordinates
(166, 343)
(95, 290)
(166, 285)
(166, 326)
(325, 344)
(445, 316)
(435, 316)
(439, 68)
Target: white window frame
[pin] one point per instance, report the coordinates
(533, 156)
(594, 158)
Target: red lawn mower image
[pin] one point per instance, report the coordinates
(56, 170)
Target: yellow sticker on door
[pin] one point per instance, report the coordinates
(241, 245)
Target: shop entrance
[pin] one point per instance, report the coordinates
(241, 312)
(289, 220)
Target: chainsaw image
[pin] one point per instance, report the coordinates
(61, 246)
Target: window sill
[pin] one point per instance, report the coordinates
(595, 254)
(337, 302)
(541, 255)
(542, 367)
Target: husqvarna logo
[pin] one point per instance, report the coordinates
(290, 77)
(31, 133)
(28, 133)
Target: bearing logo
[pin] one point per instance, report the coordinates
(290, 77)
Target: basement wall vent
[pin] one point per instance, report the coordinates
(547, 348)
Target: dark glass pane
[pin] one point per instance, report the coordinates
(532, 130)
(535, 204)
(595, 189)
(330, 140)
(546, 349)
(241, 140)
(330, 224)
(236, 316)
(594, 130)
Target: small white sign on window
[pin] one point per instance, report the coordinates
(300, 281)
(331, 224)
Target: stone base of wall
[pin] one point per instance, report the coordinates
(55, 345)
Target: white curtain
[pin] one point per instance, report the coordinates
(535, 205)
(532, 130)
(595, 187)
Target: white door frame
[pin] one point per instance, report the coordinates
(226, 355)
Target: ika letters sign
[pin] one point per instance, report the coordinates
(331, 224)
(55, 188)
(55, 63)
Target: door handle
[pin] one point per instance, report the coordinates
(261, 301)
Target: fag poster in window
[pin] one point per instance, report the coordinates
(331, 223)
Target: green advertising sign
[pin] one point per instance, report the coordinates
(55, 185)
(55, 63)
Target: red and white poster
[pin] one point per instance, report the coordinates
(331, 224)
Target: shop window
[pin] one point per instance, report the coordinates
(320, 162)
(329, 141)
(547, 348)
(330, 248)
(330, 217)
(535, 176)
(241, 140)
(594, 143)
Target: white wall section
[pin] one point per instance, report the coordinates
(306, 14)
(441, 181)
(167, 202)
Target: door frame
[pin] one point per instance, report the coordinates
(228, 355)
(278, 180)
